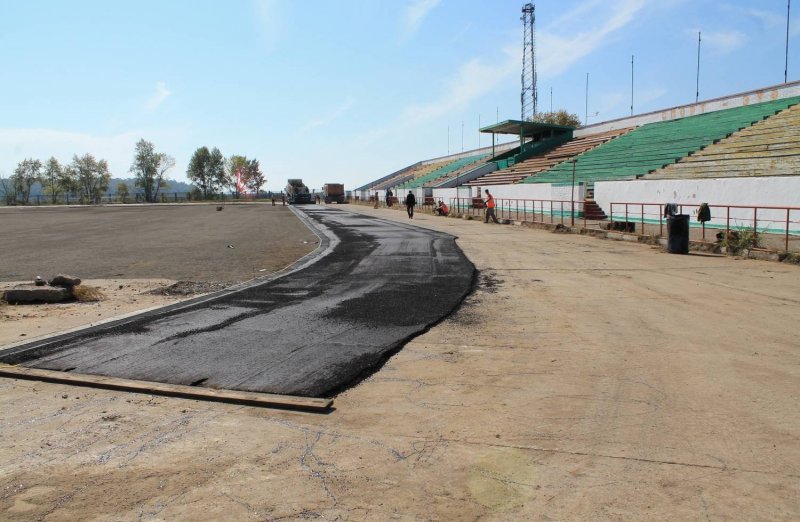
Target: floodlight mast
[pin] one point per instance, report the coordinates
(530, 97)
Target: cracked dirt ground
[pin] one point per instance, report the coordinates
(583, 379)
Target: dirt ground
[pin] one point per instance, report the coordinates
(105, 247)
(194, 242)
(583, 379)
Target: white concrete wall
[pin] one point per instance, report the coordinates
(778, 191)
(511, 196)
(446, 194)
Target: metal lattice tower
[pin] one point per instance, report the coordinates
(530, 96)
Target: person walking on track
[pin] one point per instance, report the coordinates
(411, 201)
(490, 204)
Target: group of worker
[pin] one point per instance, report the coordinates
(441, 208)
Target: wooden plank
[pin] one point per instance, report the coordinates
(266, 400)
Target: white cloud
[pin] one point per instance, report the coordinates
(158, 97)
(330, 117)
(720, 42)
(767, 19)
(268, 19)
(608, 103)
(117, 149)
(16, 144)
(642, 97)
(473, 79)
(464, 30)
(415, 13)
(559, 52)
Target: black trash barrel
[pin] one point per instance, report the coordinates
(678, 234)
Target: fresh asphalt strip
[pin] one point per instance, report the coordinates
(312, 332)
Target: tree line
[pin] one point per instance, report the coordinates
(88, 178)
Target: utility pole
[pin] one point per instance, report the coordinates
(786, 63)
(697, 91)
(551, 99)
(586, 114)
(631, 85)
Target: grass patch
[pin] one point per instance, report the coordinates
(738, 241)
(87, 294)
(791, 258)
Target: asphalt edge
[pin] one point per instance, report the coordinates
(401, 343)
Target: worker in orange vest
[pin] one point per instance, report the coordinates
(490, 208)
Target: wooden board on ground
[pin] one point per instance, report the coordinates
(266, 400)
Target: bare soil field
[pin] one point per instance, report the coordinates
(582, 380)
(193, 242)
(131, 252)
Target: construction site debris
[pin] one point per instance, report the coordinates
(65, 281)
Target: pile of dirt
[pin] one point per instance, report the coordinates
(182, 288)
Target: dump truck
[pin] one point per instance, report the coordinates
(334, 192)
(297, 193)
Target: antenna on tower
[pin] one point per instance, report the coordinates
(530, 96)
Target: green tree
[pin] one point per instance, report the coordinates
(123, 190)
(560, 117)
(199, 171)
(53, 179)
(92, 176)
(217, 170)
(149, 168)
(69, 180)
(207, 170)
(249, 173)
(7, 190)
(254, 178)
(235, 169)
(28, 172)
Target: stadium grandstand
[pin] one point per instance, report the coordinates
(768, 148)
(745, 148)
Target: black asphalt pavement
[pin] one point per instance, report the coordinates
(311, 332)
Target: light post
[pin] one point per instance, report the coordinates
(572, 197)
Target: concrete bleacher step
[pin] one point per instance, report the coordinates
(769, 147)
(592, 210)
(559, 154)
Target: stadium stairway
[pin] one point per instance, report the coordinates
(655, 145)
(768, 148)
(545, 161)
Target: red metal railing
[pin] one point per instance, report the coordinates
(771, 224)
(551, 211)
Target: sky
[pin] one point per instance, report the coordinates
(347, 91)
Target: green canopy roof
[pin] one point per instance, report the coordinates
(526, 129)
